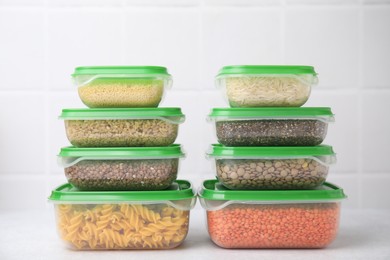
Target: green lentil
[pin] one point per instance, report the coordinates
(271, 174)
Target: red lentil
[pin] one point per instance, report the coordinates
(311, 225)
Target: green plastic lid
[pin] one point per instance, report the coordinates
(272, 112)
(170, 114)
(171, 151)
(220, 151)
(111, 70)
(179, 190)
(212, 190)
(266, 69)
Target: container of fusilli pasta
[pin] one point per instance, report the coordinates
(121, 168)
(123, 219)
(266, 86)
(122, 127)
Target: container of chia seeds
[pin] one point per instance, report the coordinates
(302, 126)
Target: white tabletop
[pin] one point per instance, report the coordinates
(363, 234)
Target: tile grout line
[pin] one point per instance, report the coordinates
(123, 33)
(283, 31)
(359, 104)
(201, 88)
(46, 97)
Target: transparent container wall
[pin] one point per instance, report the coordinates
(271, 132)
(121, 132)
(145, 174)
(109, 92)
(267, 90)
(271, 174)
(305, 225)
(121, 226)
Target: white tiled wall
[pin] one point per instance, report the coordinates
(41, 41)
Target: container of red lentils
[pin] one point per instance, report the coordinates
(271, 219)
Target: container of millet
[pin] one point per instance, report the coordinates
(272, 167)
(121, 86)
(121, 168)
(271, 126)
(266, 86)
(271, 219)
(119, 127)
(103, 220)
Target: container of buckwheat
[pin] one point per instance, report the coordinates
(121, 168)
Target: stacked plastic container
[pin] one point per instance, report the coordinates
(271, 167)
(122, 167)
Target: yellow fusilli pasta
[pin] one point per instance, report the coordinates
(122, 226)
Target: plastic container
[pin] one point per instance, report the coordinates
(302, 126)
(121, 86)
(271, 219)
(121, 168)
(105, 127)
(123, 219)
(266, 86)
(272, 167)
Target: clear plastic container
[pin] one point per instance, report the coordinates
(123, 219)
(271, 219)
(121, 168)
(272, 167)
(266, 86)
(121, 86)
(122, 127)
(303, 126)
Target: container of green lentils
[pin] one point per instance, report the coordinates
(271, 126)
(121, 86)
(266, 85)
(121, 168)
(272, 167)
(122, 127)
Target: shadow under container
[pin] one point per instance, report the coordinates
(122, 127)
(266, 85)
(121, 168)
(271, 219)
(272, 167)
(121, 86)
(290, 126)
(123, 219)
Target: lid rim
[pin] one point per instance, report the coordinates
(220, 151)
(120, 113)
(329, 191)
(271, 112)
(171, 151)
(68, 193)
(131, 70)
(266, 69)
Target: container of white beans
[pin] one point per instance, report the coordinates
(102, 220)
(266, 86)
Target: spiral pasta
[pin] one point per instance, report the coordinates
(122, 226)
